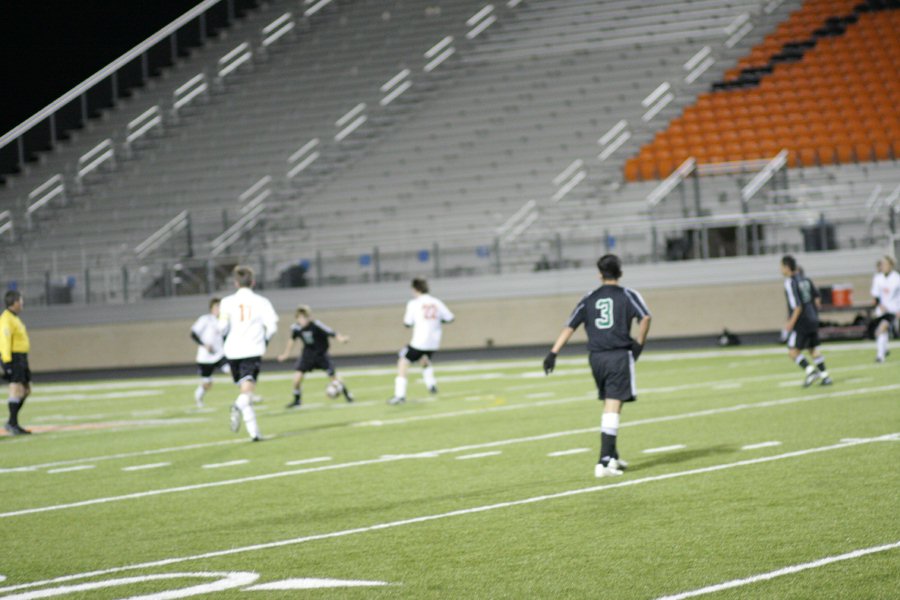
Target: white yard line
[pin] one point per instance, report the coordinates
(664, 449)
(109, 396)
(771, 444)
(540, 395)
(479, 455)
(454, 513)
(71, 469)
(432, 453)
(469, 411)
(230, 463)
(147, 466)
(781, 572)
(568, 452)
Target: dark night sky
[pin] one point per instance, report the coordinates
(49, 46)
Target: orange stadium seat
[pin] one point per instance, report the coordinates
(834, 102)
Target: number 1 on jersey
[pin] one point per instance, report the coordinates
(245, 315)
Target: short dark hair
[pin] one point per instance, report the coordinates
(213, 302)
(420, 285)
(790, 262)
(11, 297)
(243, 276)
(610, 266)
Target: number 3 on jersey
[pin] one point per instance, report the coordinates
(604, 318)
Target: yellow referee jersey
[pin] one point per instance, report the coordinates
(13, 336)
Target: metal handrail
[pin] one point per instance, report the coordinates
(669, 183)
(105, 72)
(158, 237)
(764, 176)
(234, 233)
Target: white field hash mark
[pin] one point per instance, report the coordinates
(781, 572)
(454, 513)
(230, 463)
(761, 445)
(71, 469)
(147, 466)
(307, 461)
(433, 453)
(568, 452)
(664, 449)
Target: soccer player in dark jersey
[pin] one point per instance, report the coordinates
(801, 332)
(314, 335)
(607, 314)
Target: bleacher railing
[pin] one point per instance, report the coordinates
(182, 221)
(109, 74)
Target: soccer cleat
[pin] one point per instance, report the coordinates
(15, 429)
(432, 390)
(608, 470)
(810, 378)
(618, 463)
(826, 381)
(879, 359)
(235, 419)
(256, 439)
(295, 404)
(396, 400)
(348, 395)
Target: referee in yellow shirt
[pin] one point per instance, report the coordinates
(14, 348)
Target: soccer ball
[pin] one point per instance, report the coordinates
(333, 390)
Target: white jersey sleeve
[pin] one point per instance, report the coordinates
(876, 288)
(444, 312)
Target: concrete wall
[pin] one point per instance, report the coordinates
(745, 295)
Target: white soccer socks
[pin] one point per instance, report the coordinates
(400, 387)
(881, 344)
(199, 393)
(249, 415)
(428, 376)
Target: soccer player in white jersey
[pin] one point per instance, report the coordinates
(886, 291)
(210, 355)
(248, 322)
(426, 315)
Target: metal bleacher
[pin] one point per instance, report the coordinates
(382, 138)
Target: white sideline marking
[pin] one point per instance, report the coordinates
(454, 513)
(71, 469)
(230, 463)
(312, 583)
(479, 455)
(429, 454)
(306, 461)
(727, 386)
(785, 571)
(147, 466)
(664, 449)
(771, 444)
(569, 452)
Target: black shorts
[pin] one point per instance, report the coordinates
(413, 354)
(311, 362)
(803, 340)
(207, 369)
(19, 371)
(891, 319)
(245, 368)
(614, 374)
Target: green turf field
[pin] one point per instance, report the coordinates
(126, 490)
